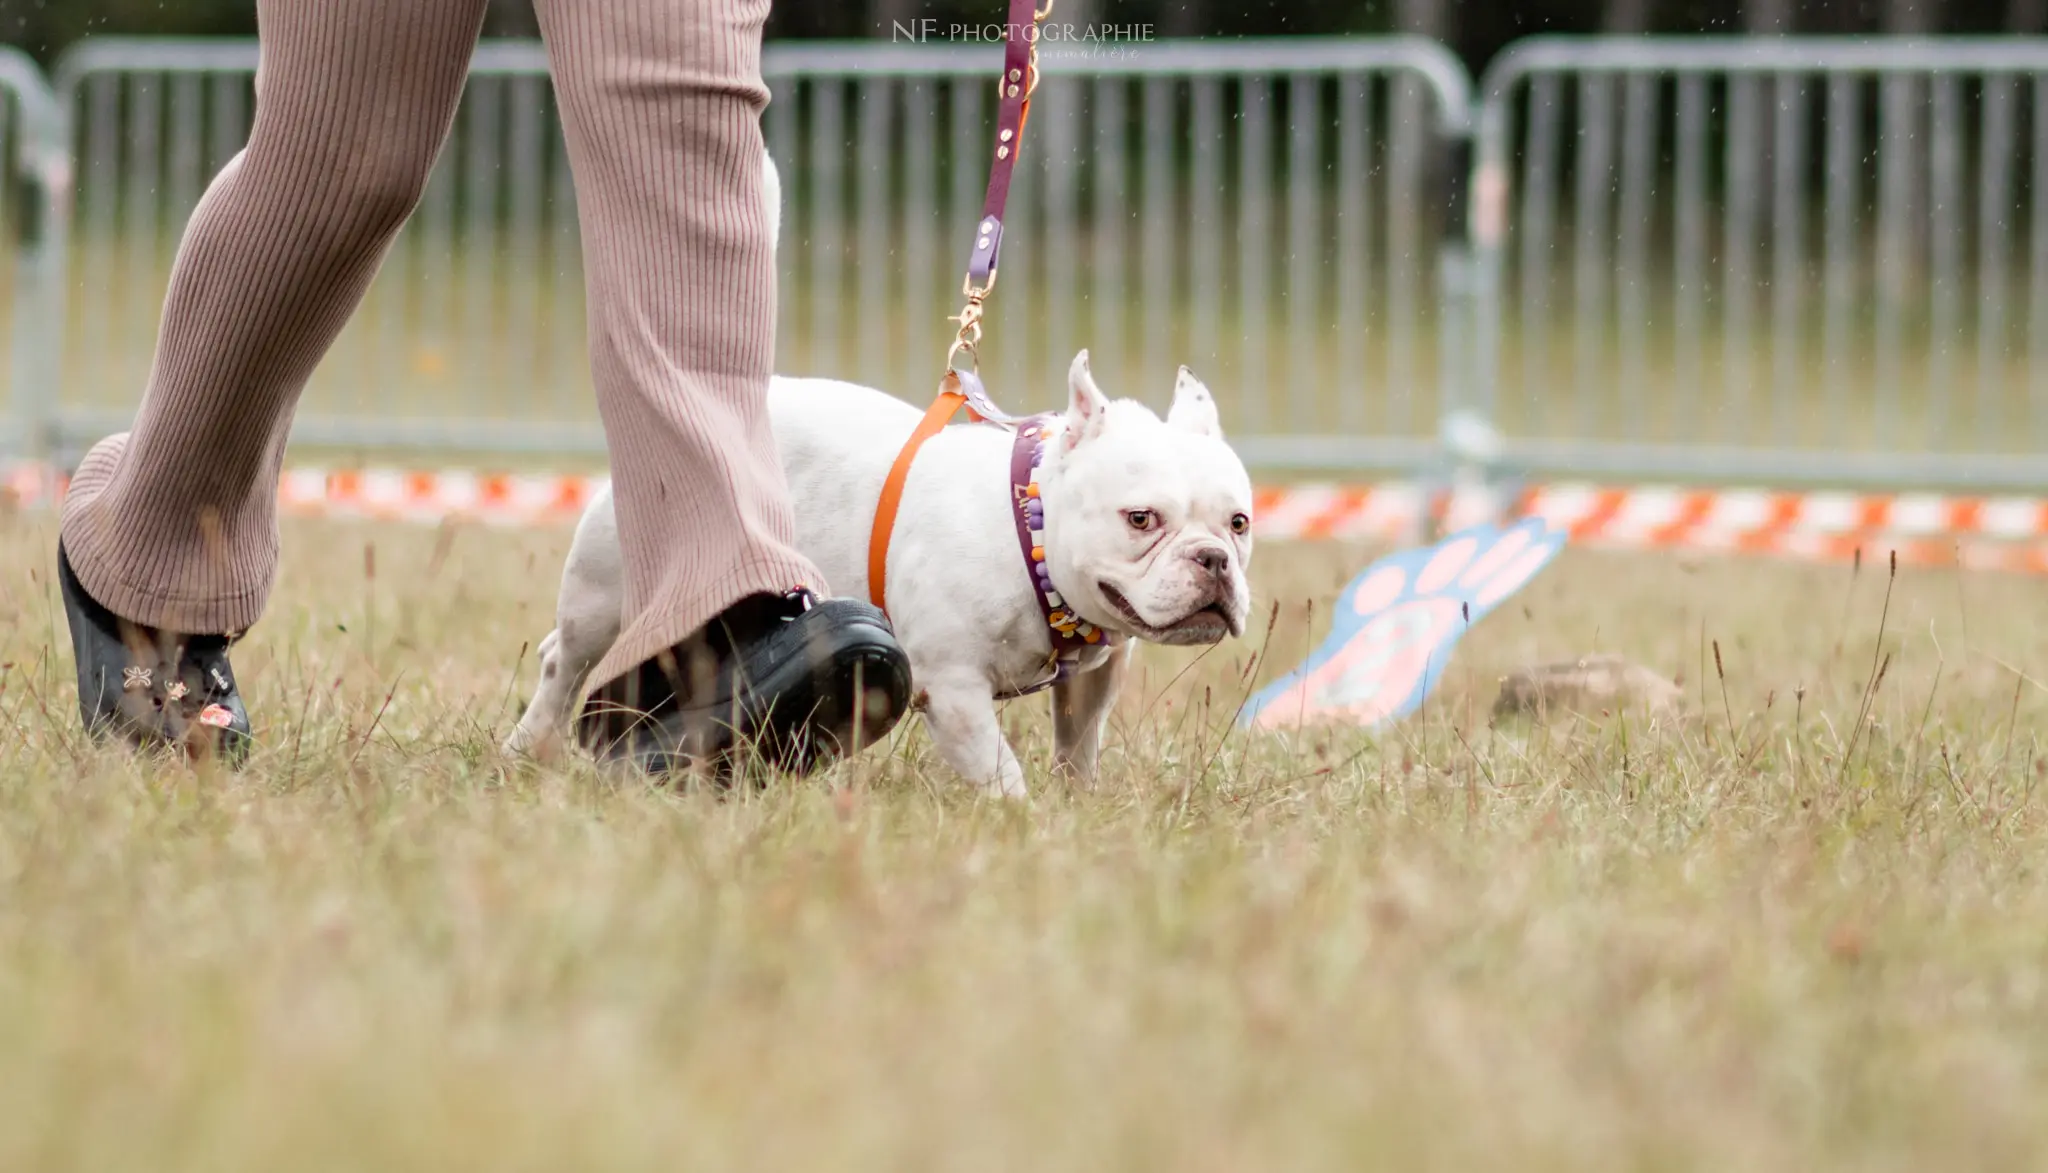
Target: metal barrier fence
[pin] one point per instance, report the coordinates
(33, 197)
(1785, 259)
(1257, 211)
(1795, 260)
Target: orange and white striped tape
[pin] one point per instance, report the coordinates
(391, 495)
(1927, 529)
(2002, 533)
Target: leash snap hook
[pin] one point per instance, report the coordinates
(1038, 16)
(968, 338)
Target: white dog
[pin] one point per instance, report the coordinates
(1145, 533)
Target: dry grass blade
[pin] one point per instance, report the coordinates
(374, 722)
(1877, 672)
(1727, 710)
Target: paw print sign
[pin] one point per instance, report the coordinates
(1397, 622)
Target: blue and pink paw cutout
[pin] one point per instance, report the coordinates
(1397, 622)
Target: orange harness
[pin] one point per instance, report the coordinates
(936, 417)
(1014, 86)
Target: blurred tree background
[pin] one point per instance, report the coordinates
(1476, 30)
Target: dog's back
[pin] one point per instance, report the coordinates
(837, 442)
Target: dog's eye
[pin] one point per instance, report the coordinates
(1141, 519)
(1240, 524)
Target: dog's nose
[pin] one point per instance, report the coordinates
(1211, 559)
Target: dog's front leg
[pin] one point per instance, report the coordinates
(1080, 707)
(586, 625)
(566, 657)
(539, 732)
(961, 714)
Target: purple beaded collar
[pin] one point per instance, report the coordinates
(1071, 634)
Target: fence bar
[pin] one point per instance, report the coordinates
(141, 225)
(476, 348)
(1841, 271)
(1410, 263)
(1689, 288)
(38, 146)
(1945, 322)
(1254, 232)
(1788, 253)
(1108, 230)
(1897, 239)
(1634, 317)
(2037, 272)
(1539, 196)
(526, 151)
(875, 99)
(1591, 265)
(1304, 377)
(187, 119)
(1738, 232)
(825, 165)
(1994, 240)
(969, 170)
(921, 232)
(1206, 223)
(430, 358)
(1354, 245)
(1060, 167)
(1158, 222)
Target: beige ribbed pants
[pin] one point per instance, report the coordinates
(174, 524)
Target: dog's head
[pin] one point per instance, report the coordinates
(1148, 522)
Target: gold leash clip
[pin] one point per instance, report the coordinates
(1037, 21)
(969, 336)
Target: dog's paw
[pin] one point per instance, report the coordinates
(1008, 790)
(526, 745)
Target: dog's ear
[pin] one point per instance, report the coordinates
(1087, 407)
(1194, 409)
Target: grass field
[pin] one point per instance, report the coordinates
(1767, 935)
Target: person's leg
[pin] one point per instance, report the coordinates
(661, 104)
(172, 526)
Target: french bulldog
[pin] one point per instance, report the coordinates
(1147, 535)
(1146, 530)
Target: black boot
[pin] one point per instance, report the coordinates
(798, 679)
(154, 688)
